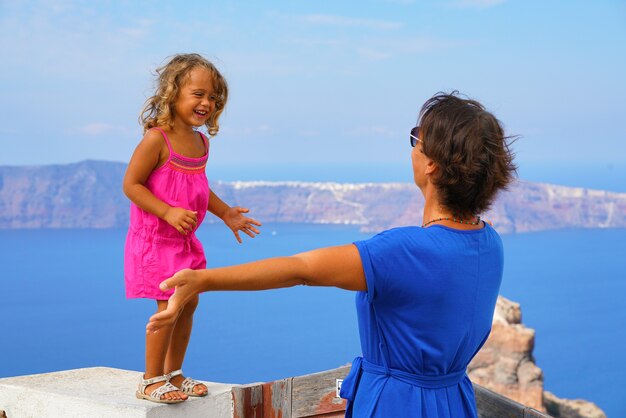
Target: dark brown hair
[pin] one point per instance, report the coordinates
(468, 145)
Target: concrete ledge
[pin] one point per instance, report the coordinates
(100, 392)
(105, 392)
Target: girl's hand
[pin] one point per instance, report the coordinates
(182, 219)
(187, 284)
(236, 221)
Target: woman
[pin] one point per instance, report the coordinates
(426, 295)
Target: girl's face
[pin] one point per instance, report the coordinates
(196, 99)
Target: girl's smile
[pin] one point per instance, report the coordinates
(202, 114)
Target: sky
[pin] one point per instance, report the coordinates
(316, 83)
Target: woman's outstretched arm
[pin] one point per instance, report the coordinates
(333, 266)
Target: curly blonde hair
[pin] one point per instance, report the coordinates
(159, 109)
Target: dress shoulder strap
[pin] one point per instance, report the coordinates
(167, 141)
(206, 143)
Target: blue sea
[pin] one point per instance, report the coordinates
(64, 307)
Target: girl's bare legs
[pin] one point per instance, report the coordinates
(156, 350)
(178, 345)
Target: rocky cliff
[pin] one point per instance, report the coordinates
(88, 195)
(506, 365)
(82, 195)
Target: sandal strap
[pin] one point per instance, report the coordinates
(188, 385)
(174, 374)
(162, 390)
(156, 379)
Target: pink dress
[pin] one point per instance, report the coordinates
(154, 249)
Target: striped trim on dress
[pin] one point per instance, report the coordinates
(189, 166)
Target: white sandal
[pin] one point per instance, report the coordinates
(155, 395)
(188, 384)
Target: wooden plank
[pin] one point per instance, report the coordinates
(277, 399)
(247, 401)
(493, 405)
(340, 414)
(315, 395)
(533, 413)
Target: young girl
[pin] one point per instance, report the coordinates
(170, 195)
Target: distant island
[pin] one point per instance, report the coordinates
(88, 194)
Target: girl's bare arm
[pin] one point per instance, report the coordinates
(233, 217)
(145, 159)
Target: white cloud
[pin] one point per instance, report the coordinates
(6, 130)
(278, 64)
(309, 42)
(100, 129)
(373, 54)
(342, 21)
(372, 131)
(140, 30)
(477, 4)
(381, 49)
(73, 40)
(424, 44)
(310, 133)
(250, 131)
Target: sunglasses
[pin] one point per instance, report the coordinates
(414, 138)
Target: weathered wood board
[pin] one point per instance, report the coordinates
(315, 396)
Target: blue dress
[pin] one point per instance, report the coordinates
(427, 311)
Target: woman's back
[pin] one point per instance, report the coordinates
(428, 310)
